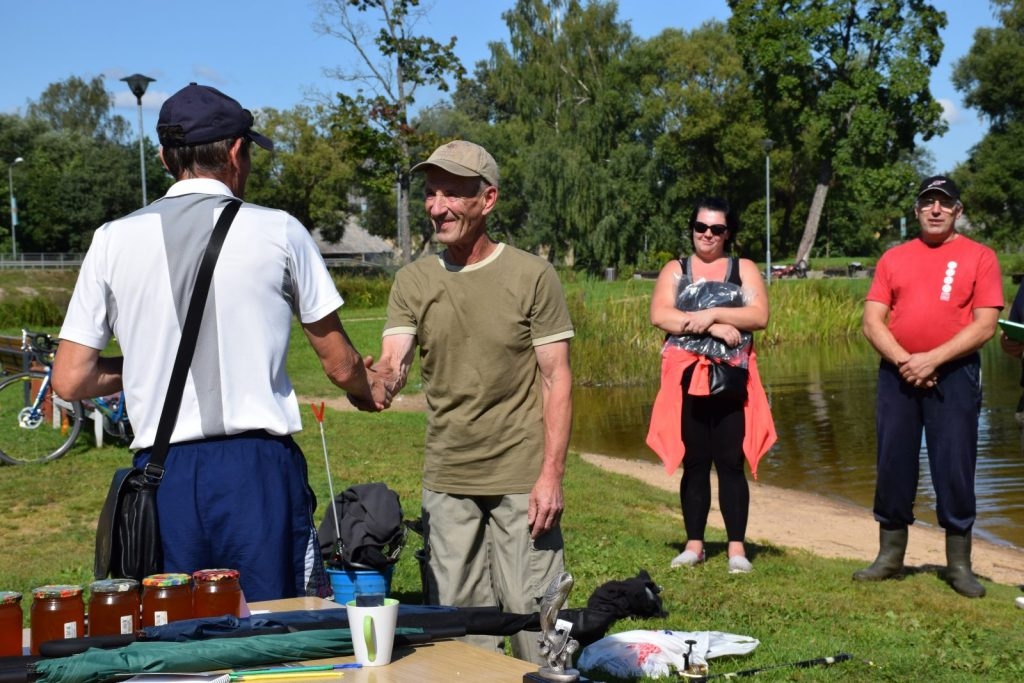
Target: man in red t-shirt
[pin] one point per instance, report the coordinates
(933, 304)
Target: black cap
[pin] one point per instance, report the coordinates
(199, 114)
(939, 183)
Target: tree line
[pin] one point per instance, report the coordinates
(604, 139)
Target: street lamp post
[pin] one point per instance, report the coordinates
(138, 83)
(768, 143)
(14, 207)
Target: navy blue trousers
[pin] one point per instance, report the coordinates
(948, 416)
(241, 502)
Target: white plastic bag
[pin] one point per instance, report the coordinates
(631, 654)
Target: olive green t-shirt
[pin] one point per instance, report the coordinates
(477, 328)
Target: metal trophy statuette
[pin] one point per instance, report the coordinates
(555, 644)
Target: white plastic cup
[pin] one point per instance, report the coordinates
(373, 631)
(370, 599)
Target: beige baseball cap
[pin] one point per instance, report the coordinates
(463, 158)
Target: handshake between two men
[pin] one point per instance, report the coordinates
(384, 382)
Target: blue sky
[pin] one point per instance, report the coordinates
(266, 53)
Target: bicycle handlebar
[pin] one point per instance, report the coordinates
(39, 343)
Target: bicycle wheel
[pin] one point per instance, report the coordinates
(30, 434)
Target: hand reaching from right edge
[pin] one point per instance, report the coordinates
(1010, 347)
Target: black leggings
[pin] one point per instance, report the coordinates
(713, 430)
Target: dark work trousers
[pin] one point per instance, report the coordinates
(241, 502)
(713, 430)
(949, 417)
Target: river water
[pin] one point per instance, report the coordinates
(823, 403)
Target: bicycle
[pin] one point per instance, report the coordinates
(36, 425)
(113, 418)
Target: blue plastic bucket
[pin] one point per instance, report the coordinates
(347, 582)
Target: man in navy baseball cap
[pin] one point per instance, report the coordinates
(939, 183)
(199, 114)
(232, 434)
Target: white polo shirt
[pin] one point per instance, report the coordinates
(136, 282)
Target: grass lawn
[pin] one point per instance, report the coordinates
(799, 606)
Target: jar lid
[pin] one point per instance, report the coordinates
(10, 597)
(114, 585)
(56, 591)
(211, 575)
(164, 580)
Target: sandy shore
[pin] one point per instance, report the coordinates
(801, 520)
(825, 527)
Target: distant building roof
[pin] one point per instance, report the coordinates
(356, 242)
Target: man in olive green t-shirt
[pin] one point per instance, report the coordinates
(493, 330)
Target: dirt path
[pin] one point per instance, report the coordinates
(404, 402)
(797, 519)
(825, 527)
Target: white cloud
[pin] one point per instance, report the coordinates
(951, 113)
(151, 101)
(206, 75)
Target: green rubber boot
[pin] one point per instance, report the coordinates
(889, 563)
(958, 566)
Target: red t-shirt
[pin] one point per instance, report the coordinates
(932, 292)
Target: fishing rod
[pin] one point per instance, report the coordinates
(319, 415)
(805, 664)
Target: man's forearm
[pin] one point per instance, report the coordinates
(557, 429)
(79, 372)
(350, 375)
(395, 360)
(965, 342)
(882, 340)
(557, 397)
(874, 325)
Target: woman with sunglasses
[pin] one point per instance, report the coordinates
(709, 304)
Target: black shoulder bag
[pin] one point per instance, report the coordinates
(128, 541)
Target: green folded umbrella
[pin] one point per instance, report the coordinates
(93, 666)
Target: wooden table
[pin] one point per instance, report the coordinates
(444, 661)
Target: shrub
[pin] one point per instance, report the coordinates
(363, 291)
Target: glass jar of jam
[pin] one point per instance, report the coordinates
(113, 607)
(10, 624)
(57, 613)
(166, 598)
(216, 592)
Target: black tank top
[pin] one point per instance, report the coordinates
(732, 270)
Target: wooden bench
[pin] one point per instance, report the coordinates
(12, 357)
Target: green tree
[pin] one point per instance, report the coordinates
(393, 64)
(71, 185)
(16, 139)
(991, 78)
(561, 106)
(80, 168)
(700, 124)
(310, 174)
(77, 106)
(844, 86)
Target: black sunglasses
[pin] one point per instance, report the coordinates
(716, 230)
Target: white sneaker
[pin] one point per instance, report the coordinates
(688, 558)
(738, 564)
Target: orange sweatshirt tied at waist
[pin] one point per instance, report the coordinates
(665, 435)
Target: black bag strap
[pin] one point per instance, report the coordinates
(186, 348)
(732, 271)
